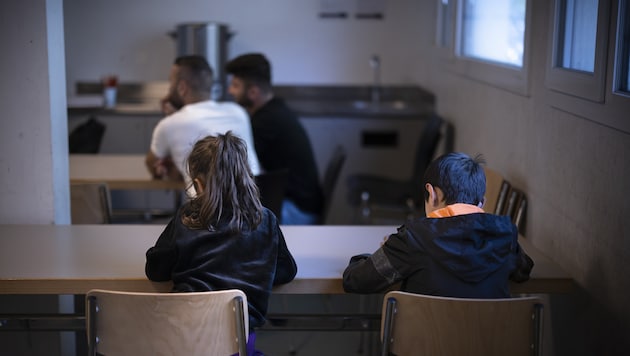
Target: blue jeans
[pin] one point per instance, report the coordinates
(251, 341)
(292, 215)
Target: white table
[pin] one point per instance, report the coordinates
(72, 259)
(118, 171)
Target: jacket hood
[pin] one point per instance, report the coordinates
(470, 246)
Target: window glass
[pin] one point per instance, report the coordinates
(622, 72)
(577, 34)
(494, 30)
(445, 23)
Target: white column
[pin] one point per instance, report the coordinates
(33, 117)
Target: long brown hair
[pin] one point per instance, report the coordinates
(229, 193)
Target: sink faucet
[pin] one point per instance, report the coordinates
(375, 63)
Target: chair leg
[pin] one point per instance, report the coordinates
(538, 329)
(240, 326)
(388, 325)
(91, 327)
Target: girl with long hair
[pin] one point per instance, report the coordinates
(223, 238)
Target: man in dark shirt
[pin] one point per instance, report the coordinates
(279, 138)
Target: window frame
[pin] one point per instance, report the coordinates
(511, 78)
(445, 51)
(586, 85)
(613, 110)
(623, 7)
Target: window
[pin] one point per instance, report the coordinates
(444, 33)
(487, 40)
(622, 60)
(591, 91)
(493, 30)
(578, 45)
(577, 29)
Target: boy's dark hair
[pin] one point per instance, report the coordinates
(196, 71)
(253, 68)
(460, 177)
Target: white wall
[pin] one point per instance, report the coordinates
(576, 174)
(129, 38)
(33, 146)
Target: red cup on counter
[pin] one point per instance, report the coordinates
(110, 81)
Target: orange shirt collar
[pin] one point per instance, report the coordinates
(454, 210)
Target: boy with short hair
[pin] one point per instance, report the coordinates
(457, 250)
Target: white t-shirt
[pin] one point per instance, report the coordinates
(176, 134)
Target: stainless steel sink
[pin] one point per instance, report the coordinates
(361, 107)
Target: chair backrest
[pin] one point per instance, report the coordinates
(516, 206)
(414, 324)
(331, 175)
(90, 203)
(272, 186)
(427, 145)
(496, 191)
(519, 214)
(201, 323)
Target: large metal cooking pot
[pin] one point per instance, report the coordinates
(210, 40)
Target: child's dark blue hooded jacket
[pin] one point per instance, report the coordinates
(466, 256)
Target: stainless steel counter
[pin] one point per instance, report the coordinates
(307, 101)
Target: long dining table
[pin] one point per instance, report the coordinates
(119, 171)
(73, 259)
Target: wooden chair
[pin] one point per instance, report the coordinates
(414, 324)
(516, 208)
(202, 323)
(90, 203)
(496, 191)
(272, 186)
(504, 199)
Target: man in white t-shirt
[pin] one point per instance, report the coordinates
(192, 117)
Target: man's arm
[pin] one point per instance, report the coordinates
(154, 165)
(162, 167)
